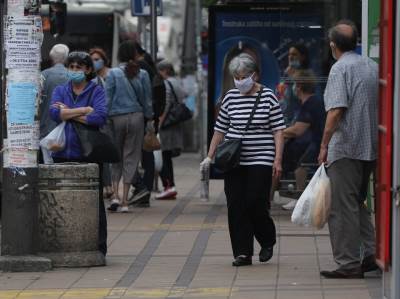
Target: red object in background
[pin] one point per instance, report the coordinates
(384, 167)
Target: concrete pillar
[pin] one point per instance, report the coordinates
(69, 214)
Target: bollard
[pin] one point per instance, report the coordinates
(69, 214)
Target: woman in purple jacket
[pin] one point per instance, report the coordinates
(82, 101)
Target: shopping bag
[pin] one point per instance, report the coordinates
(322, 203)
(312, 208)
(55, 140)
(158, 160)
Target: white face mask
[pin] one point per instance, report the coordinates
(244, 85)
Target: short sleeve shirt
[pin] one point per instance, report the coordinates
(353, 85)
(258, 144)
(312, 112)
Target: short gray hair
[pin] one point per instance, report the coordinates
(165, 65)
(59, 53)
(243, 63)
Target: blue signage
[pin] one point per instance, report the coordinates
(141, 8)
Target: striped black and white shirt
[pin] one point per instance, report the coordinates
(258, 145)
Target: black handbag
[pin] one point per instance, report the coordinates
(227, 156)
(96, 146)
(177, 113)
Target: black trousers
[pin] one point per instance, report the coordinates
(167, 171)
(145, 182)
(102, 211)
(247, 190)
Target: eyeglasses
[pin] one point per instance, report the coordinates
(79, 54)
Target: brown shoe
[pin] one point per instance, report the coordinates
(369, 264)
(342, 273)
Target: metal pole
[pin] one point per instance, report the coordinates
(20, 183)
(153, 29)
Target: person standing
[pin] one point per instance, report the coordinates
(100, 66)
(247, 187)
(172, 136)
(80, 100)
(349, 148)
(51, 78)
(128, 90)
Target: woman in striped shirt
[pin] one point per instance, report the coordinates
(247, 187)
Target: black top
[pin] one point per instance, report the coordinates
(312, 112)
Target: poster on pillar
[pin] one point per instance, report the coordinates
(23, 38)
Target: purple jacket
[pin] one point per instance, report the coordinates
(93, 95)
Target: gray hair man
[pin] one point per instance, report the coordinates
(51, 78)
(349, 147)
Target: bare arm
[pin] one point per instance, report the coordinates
(279, 141)
(332, 121)
(71, 113)
(217, 138)
(81, 119)
(296, 130)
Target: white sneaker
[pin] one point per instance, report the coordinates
(169, 193)
(290, 205)
(124, 209)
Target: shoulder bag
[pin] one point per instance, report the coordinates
(177, 113)
(96, 146)
(227, 156)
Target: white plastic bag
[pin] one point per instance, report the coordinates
(53, 142)
(158, 161)
(313, 206)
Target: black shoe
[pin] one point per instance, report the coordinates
(368, 264)
(114, 205)
(344, 273)
(144, 202)
(242, 260)
(266, 254)
(137, 195)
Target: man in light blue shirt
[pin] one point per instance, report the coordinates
(349, 147)
(51, 78)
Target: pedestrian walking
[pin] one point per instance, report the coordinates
(80, 100)
(51, 78)
(129, 92)
(143, 184)
(349, 147)
(171, 136)
(247, 187)
(100, 66)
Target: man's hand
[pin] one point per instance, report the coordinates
(323, 155)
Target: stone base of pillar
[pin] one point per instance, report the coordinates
(76, 259)
(24, 263)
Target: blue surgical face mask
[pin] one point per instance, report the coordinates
(294, 63)
(76, 76)
(98, 64)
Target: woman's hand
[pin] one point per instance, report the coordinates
(277, 169)
(88, 110)
(59, 105)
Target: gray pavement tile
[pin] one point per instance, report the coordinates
(253, 295)
(303, 294)
(129, 243)
(177, 243)
(347, 294)
(290, 245)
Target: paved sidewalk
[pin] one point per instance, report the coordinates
(181, 249)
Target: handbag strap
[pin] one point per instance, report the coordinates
(133, 87)
(172, 90)
(254, 110)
